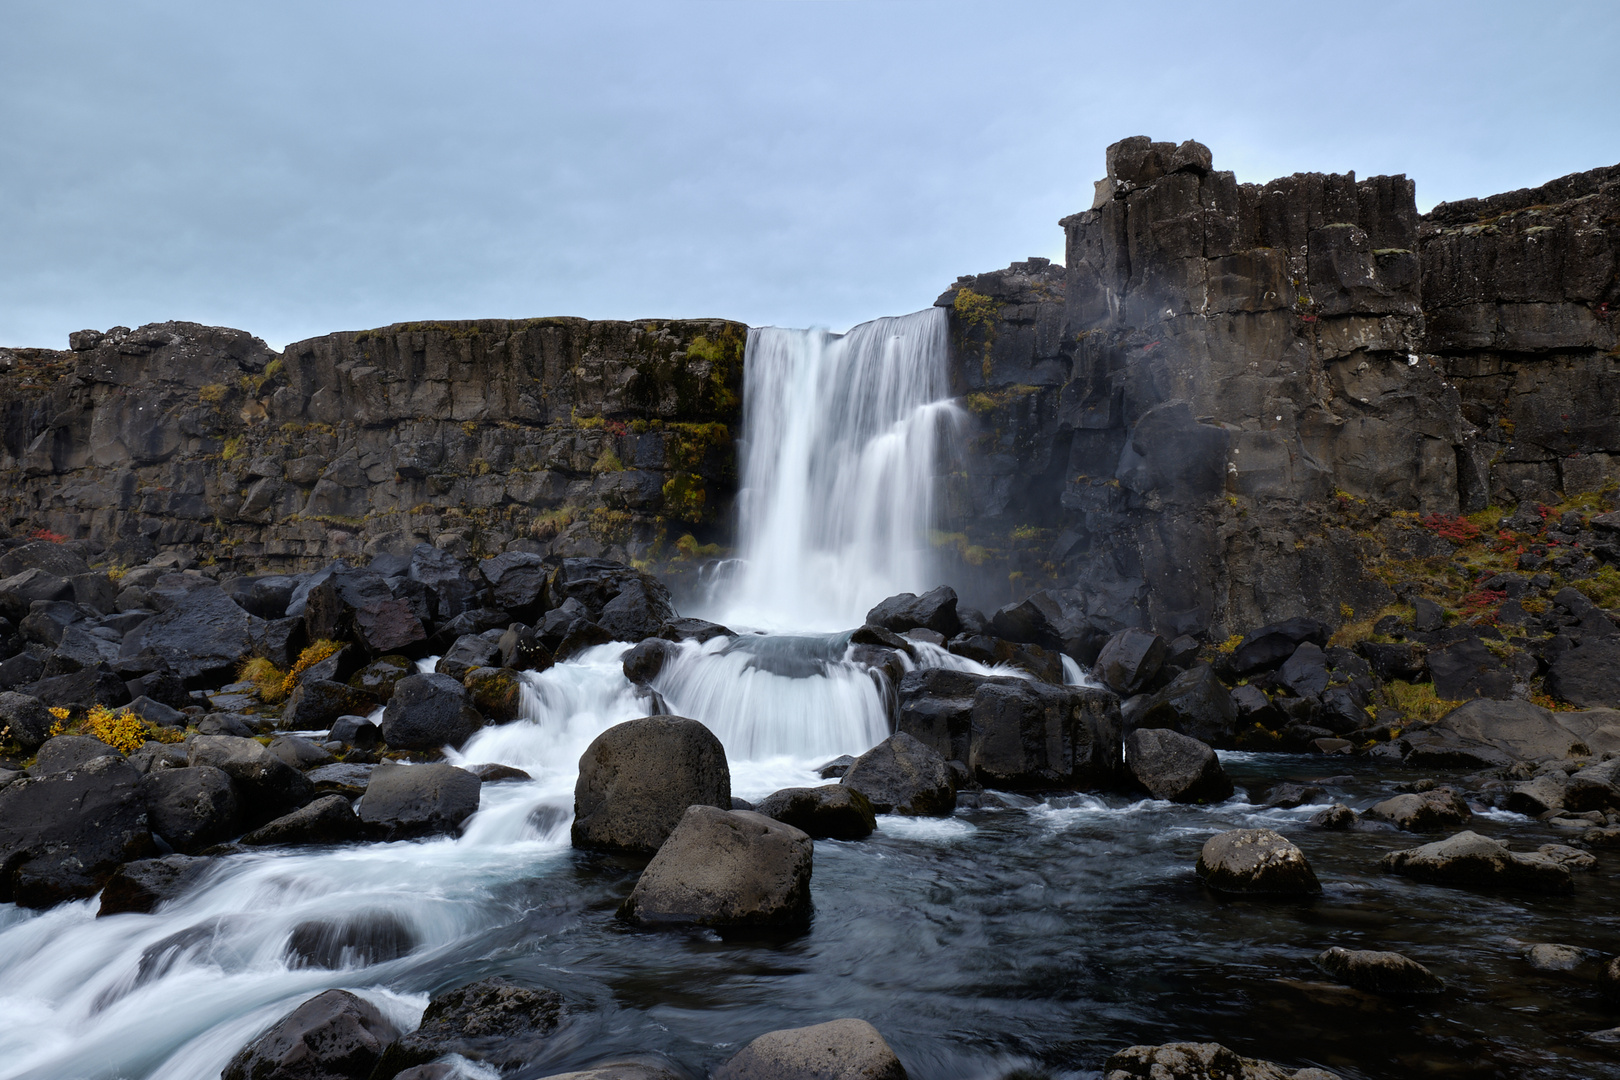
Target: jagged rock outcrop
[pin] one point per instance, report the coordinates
(1194, 423)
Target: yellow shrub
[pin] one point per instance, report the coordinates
(123, 730)
(268, 680)
(59, 711)
(306, 660)
(1418, 701)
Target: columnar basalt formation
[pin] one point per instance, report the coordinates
(586, 438)
(1220, 409)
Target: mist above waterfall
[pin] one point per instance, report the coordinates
(841, 443)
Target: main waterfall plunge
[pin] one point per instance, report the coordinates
(842, 437)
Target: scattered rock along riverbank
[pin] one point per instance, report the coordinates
(165, 725)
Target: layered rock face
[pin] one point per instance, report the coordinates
(1197, 420)
(589, 438)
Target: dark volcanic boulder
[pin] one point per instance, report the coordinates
(378, 678)
(1518, 729)
(497, 693)
(357, 605)
(403, 801)
(1467, 669)
(428, 712)
(1175, 767)
(315, 703)
(643, 663)
(902, 776)
(299, 752)
(517, 582)
(935, 610)
(831, 811)
(142, 885)
(66, 752)
(1438, 808)
(1130, 661)
(492, 1021)
(1039, 619)
(1014, 733)
(332, 1036)
(837, 1050)
(469, 651)
(62, 835)
(203, 636)
(637, 613)
(1378, 972)
(725, 869)
(1195, 704)
(1268, 647)
(81, 690)
(1198, 1061)
(637, 779)
(327, 820)
(266, 786)
(1470, 860)
(1256, 862)
(192, 808)
(1588, 675)
(19, 592)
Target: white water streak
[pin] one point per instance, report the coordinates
(841, 442)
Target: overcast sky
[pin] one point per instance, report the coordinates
(296, 168)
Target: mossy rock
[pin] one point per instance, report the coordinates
(496, 692)
(378, 677)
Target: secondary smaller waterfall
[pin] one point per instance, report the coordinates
(842, 441)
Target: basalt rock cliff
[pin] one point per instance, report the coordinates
(1237, 399)
(1229, 407)
(580, 438)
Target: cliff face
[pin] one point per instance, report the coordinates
(1219, 411)
(1228, 407)
(583, 437)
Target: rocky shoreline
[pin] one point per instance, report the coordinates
(166, 719)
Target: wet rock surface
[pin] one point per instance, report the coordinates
(637, 779)
(837, 1050)
(494, 1021)
(332, 1036)
(727, 870)
(1256, 862)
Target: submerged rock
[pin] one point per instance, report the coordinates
(1378, 972)
(726, 869)
(637, 779)
(1256, 862)
(845, 1049)
(332, 1036)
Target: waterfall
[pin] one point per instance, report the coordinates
(842, 436)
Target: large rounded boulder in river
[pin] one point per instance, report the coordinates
(725, 868)
(1256, 862)
(1176, 767)
(332, 1036)
(637, 778)
(902, 776)
(845, 1049)
(1470, 860)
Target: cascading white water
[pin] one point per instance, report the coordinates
(841, 441)
(843, 437)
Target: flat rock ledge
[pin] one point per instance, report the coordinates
(1469, 860)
